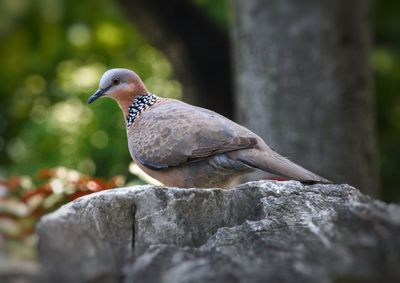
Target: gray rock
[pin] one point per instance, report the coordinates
(256, 232)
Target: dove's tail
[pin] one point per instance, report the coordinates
(270, 161)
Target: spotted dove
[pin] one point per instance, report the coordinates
(183, 145)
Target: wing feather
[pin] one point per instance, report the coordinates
(172, 133)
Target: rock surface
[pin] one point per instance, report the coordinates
(256, 232)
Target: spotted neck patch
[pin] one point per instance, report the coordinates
(140, 104)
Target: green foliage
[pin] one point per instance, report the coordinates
(52, 55)
(217, 10)
(386, 63)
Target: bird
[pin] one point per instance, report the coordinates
(185, 146)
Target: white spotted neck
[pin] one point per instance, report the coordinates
(139, 104)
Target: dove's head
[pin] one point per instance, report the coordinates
(123, 85)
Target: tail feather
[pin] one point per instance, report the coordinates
(274, 163)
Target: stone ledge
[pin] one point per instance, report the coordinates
(263, 231)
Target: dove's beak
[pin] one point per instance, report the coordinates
(99, 93)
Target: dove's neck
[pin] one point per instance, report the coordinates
(137, 106)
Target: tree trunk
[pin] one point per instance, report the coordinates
(303, 82)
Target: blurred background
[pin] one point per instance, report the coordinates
(53, 52)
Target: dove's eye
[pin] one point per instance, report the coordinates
(115, 81)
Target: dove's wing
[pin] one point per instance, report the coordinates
(172, 133)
